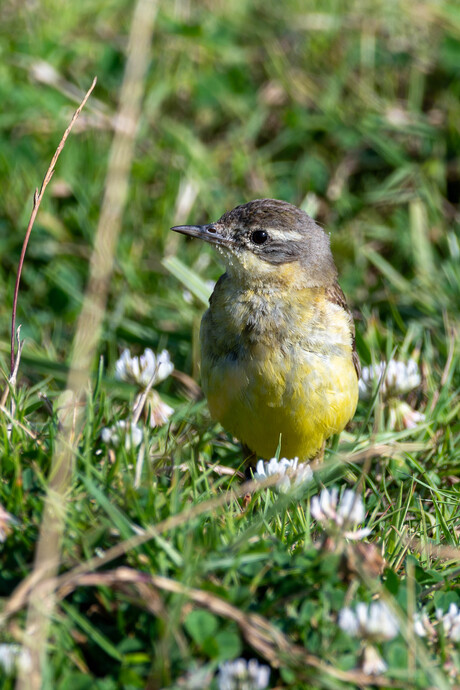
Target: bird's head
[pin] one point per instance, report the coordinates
(272, 241)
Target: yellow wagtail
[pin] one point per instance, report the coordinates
(278, 350)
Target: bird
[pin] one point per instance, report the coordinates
(279, 365)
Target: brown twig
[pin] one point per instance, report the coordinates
(264, 637)
(38, 196)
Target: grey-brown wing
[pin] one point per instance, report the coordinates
(335, 295)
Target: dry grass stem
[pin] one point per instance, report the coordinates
(47, 557)
(11, 385)
(25, 589)
(266, 639)
(26, 430)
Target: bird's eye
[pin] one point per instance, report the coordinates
(259, 237)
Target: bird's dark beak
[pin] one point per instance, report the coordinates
(209, 233)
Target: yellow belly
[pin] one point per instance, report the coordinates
(278, 362)
(304, 397)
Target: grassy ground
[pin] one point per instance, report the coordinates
(350, 110)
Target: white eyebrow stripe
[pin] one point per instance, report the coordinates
(287, 234)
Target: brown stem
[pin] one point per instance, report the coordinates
(38, 196)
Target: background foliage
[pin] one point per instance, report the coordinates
(348, 109)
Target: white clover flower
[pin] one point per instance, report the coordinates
(131, 433)
(160, 412)
(375, 621)
(292, 473)
(243, 675)
(348, 621)
(141, 370)
(395, 378)
(12, 656)
(44, 72)
(351, 508)
(349, 511)
(422, 625)
(7, 521)
(450, 622)
(403, 416)
(372, 663)
(381, 622)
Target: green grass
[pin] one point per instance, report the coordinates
(349, 110)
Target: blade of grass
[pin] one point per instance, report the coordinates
(188, 278)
